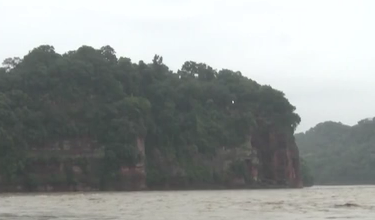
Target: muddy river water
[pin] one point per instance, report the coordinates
(334, 202)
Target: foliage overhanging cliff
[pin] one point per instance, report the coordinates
(182, 117)
(340, 154)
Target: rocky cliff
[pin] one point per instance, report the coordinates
(87, 120)
(271, 160)
(75, 165)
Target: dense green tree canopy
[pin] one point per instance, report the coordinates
(46, 96)
(340, 154)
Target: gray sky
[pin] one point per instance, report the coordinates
(321, 53)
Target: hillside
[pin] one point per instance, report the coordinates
(88, 120)
(340, 154)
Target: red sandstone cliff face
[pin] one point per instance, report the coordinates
(279, 158)
(74, 165)
(135, 175)
(271, 159)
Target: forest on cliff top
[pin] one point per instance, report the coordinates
(47, 96)
(340, 154)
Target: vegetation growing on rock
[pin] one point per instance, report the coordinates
(91, 93)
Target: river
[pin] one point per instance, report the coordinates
(283, 204)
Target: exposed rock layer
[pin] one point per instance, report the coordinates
(267, 160)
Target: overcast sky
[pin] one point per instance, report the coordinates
(320, 53)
